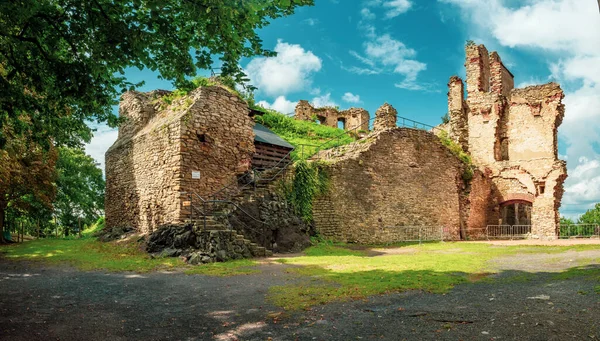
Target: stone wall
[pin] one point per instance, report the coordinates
(352, 118)
(150, 165)
(392, 178)
(385, 117)
(512, 138)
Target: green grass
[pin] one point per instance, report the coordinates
(329, 273)
(300, 133)
(89, 254)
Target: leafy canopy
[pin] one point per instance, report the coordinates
(62, 61)
(80, 188)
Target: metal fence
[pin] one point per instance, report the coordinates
(572, 231)
(399, 234)
(507, 231)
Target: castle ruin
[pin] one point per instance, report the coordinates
(353, 118)
(511, 134)
(392, 177)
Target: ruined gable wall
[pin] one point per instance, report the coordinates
(395, 177)
(353, 118)
(150, 165)
(140, 168)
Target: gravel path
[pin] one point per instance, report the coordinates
(61, 303)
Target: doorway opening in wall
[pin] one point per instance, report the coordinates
(516, 212)
(341, 123)
(321, 120)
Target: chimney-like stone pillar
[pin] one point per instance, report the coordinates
(459, 119)
(385, 117)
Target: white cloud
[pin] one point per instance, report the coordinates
(393, 8)
(281, 105)
(396, 7)
(290, 71)
(323, 101)
(384, 53)
(565, 33)
(367, 14)
(103, 138)
(351, 98)
(311, 21)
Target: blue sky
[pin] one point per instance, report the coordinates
(366, 52)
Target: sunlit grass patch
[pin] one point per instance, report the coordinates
(336, 272)
(89, 254)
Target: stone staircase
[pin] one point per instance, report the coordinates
(213, 224)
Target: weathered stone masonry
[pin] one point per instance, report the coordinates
(149, 167)
(394, 177)
(511, 135)
(352, 118)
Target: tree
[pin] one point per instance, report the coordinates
(27, 175)
(62, 61)
(80, 189)
(591, 216)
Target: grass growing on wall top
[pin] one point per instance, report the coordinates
(457, 150)
(300, 133)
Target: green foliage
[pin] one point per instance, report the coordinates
(62, 62)
(446, 118)
(470, 43)
(80, 189)
(310, 181)
(457, 150)
(307, 137)
(591, 216)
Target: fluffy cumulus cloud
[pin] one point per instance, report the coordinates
(384, 54)
(569, 32)
(285, 106)
(281, 104)
(290, 71)
(351, 98)
(104, 137)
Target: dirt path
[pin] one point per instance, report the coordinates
(59, 303)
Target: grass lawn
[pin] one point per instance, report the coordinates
(329, 273)
(89, 254)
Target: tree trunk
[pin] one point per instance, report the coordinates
(2, 218)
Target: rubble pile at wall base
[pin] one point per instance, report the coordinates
(198, 246)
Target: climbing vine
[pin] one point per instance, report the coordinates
(310, 180)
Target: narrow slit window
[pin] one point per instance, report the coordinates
(201, 137)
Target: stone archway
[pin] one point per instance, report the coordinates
(516, 212)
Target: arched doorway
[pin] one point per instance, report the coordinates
(515, 212)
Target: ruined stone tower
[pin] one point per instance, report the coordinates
(385, 117)
(511, 135)
(353, 118)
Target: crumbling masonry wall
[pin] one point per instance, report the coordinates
(511, 135)
(392, 178)
(352, 118)
(149, 167)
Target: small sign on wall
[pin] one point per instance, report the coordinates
(195, 174)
